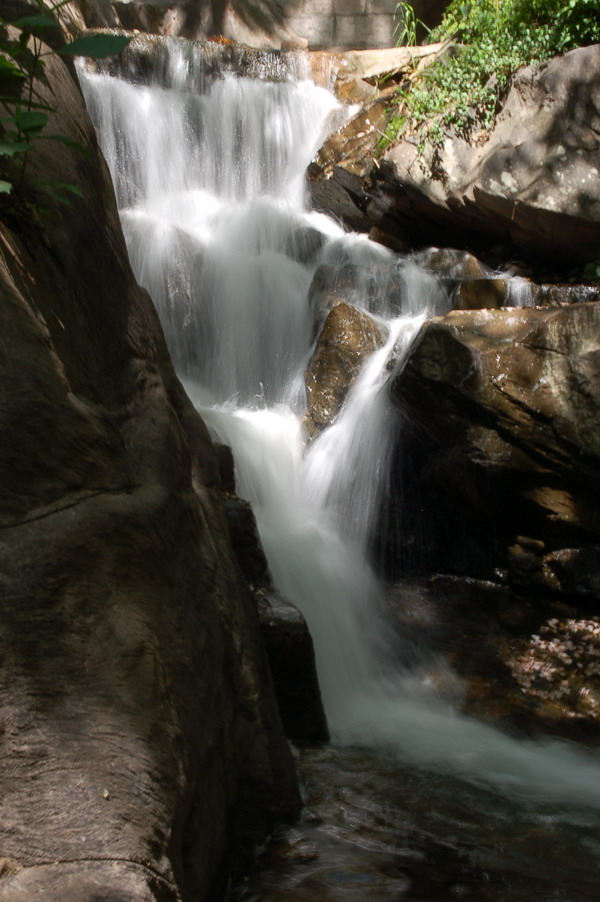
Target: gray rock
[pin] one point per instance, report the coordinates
(532, 185)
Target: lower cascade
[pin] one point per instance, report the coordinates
(209, 175)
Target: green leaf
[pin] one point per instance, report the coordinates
(30, 120)
(8, 69)
(8, 98)
(29, 23)
(5, 187)
(50, 187)
(9, 148)
(96, 46)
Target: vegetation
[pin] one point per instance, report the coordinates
(26, 114)
(462, 93)
(407, 25)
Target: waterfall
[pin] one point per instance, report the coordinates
(208, 170)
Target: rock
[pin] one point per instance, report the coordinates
(451, 263)
(530, 185)
(141, 741)
(304, 244)
(479, 294)
(331, 285)
(348, 337)
(559, 295)
(353, 75)
(530, 662)
(100, 14)
(576, 571)
(288, 642)
(502, 437)
(291, 656)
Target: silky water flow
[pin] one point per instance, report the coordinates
(209, 175)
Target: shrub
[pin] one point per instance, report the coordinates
(463, 93)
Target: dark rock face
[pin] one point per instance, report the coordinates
(140, 738)
(288, 642)
(499, 462)
(348, 337)
(532, 184)
(503, 406)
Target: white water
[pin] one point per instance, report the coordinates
(209, 178)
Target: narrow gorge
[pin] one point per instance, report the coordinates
(416, 434)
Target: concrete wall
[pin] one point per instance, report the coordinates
(354, 24)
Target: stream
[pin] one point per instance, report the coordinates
(413, 799)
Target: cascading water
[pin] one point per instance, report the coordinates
(209, 178)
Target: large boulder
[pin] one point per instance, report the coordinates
(140, 739)
(502, 436)
(497, 509)
(532, 184)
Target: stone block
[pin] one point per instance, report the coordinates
(377, 7)
(349, 7)
(357, 32)
(314, 8)
(318, 30)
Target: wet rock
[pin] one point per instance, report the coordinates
(560, 295)
(576, 571)
(287, 639)
(480, 294)
(502, 437)
(292, 660)
(304, 244)
(530, 661)
(331, 285)
(348, 337)
(452, 263)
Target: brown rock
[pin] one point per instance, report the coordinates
(506, 403)
(526, 660)
(452, 263)
(348, 337)
(480, 294)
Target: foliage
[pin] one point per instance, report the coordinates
(407, 25)
(463, 92)
(23, 49)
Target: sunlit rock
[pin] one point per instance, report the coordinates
(532, 184)
(348, 337)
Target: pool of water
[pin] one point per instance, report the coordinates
(373, 829)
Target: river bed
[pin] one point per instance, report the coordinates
(373, 829)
